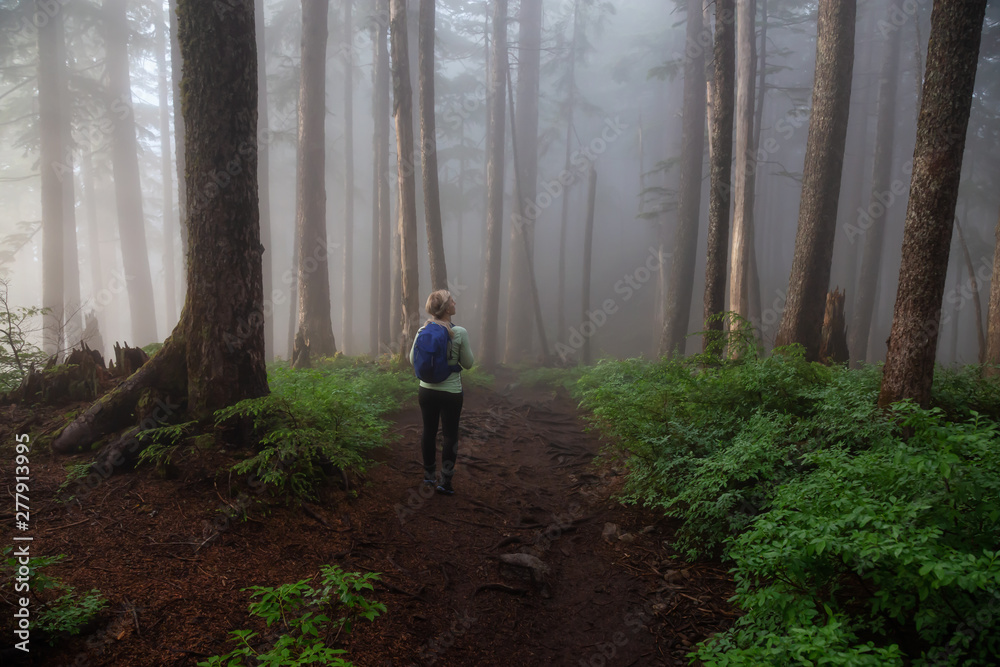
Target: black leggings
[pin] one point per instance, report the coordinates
(446, 406)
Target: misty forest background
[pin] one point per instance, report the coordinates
(609, 96)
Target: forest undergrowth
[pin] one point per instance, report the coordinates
(856, 537)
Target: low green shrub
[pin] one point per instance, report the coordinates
(305, 613)
(61, 610)
(314, 419)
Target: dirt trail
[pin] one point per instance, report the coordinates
(603, 595)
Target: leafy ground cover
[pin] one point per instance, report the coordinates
(856, 537)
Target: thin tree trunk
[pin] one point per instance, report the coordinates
(428, 147)
(347, 338)
(677, 309)
(381, 196)
(52, 153)
(525, 248)
(166, 167)
(520, 318)
(993, 314)
(952, 60)
(73, 325)
(802, 321)
(264, 183)
(407, 215)
(746, 166)
(314, 270)
(874, 230)
(974, 285)
(721, 157)
(128, 191)
(588, 246)
(93, 232)
(494, 189)
(753, 277)
(564, 200)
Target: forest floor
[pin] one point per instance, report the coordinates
(172, 565)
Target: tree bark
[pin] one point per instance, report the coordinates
(347, 337)
(407, 216)
(802, 321)
(588, 245)
(564, 199)
(264, 182)
(314, 269)
(993, 313)
(677, 309)
(952, 60)
(746, 165)
(874, 234)
(494, 189)
(215, 355)
(176, 67)
(128, 190)
(166, 167)
(52, 154)
(428, 147)
(721, 157)
(93, 231)
(383, 119)
(520, 314)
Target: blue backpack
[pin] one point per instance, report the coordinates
(430, 354)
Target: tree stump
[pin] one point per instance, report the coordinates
(127, 360)
(79, 378)
(834, 346)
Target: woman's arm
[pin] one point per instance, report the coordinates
(465, 358)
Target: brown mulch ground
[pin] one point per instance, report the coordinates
(171, 562)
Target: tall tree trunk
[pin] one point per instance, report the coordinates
(743, 175)
(52, 153)
(347, 338)
(128, 190)
(383, 119)
(166, 166)
(403, 103)
(974, 287)
(73, 325)
(176, 67)
(314, 269)
(264, 182)
(93, 231)
(428, 147)
(564, 199)
(874, 232)
(215, 355)
(952, 60)
(494, 188)
(677, 308)
(721, 157)
(588, 251)
(753, 276)
(993, 313)
(520, 317)
(802, 321)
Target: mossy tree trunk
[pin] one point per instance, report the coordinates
(946, 102)
(428, 147)
(721, 157)
(407, 215)
(215, 355)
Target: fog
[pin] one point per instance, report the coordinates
(627, 89)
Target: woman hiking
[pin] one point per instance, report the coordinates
(439, 353)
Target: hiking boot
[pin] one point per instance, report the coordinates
(445, 488)
(430, 481)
